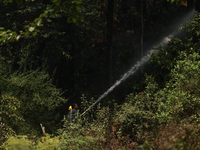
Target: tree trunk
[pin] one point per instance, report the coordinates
(197, 5)
(190, 4)
(142, 31)
(109, 41)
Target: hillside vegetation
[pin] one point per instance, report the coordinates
(156, 118)
(161, 110)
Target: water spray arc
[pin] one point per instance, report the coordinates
(145, 59)
(126, 75)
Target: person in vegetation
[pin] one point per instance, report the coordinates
(73, 113)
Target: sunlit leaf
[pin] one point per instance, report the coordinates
(31, 29)
(39, 22)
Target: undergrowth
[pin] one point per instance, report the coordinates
(164, 118)
(153, 119)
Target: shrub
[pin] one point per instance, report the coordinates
(18, 143)
(25, 143)
(152, 108)
(177, 136)
(193, 37)
(9, 110)
(165, 60)
(9, 116)
(75, 137)
(5, 133)
(95, 130)
(182, 92)
(178, 107)
(138, 112)
(48, 142)
(38, 98)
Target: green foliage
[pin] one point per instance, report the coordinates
(186, 72)
(153, 107)
(142, 112)
(193, 35)
(35, 99)
(92, 112)
(57, 43)
(178, 102)
(75, 136)
(9, 110)
(93, 132)
(27, 98)
(164, 61)
(144, 146)
(178, 2)
(138, 112)
(5, 132)
(17, 143)
(38, 96)
(37, 88)
(181, 93)
(73, 8)
(25, 143)
(48, 142)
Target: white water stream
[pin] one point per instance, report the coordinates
(146, 58)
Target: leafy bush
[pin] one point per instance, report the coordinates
(48, 142)
(95, 130)
(9, 116)
(37, 95)
(5, 132)
(178, 100)
(193, 37)
(165, 60)
(24, 143)
(76, 136)
(18, 143)
(177, 136)
(138, 112)
(9, 110)
(181, 93)
(28, 98)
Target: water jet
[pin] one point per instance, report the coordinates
(146, 58)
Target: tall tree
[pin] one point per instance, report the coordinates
(190, 4)
(142, 30)
(109, 39)
(197, 5)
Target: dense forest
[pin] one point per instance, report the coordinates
(57, 52)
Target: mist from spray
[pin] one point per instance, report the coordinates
(178, 27)
(146, 58)
(126, 75)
